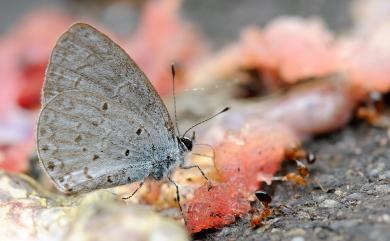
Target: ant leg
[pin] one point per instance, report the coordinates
(135, 191)
(195, 166)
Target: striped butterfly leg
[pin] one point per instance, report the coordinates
(134, 192)
(195, 166)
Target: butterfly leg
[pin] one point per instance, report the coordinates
(195, 166)
(177, 197)
(207, 145)
(203, 155)
(135, 191)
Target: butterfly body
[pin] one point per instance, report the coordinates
(102, 123)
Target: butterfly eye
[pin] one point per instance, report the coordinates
(187, 142)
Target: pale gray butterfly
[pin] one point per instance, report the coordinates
(102, 123)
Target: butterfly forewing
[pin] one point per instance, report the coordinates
(85, 59)
(102, 123)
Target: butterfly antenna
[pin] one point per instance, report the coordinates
(211, 117)
(173, 72)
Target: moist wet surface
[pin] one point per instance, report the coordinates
(347, 197)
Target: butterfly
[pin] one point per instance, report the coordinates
(102, 123)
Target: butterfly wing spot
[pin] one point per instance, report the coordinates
(42, 131)
(139, 131)
(45, 148)
(109, 179)
(129, 179)
(67, 188)
(127, 153)
(50, 165)
(86, 173)
(105, 106)
(78, 139)
(61, 179)
(95, 157)
(84, 149)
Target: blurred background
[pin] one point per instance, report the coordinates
(154, 32)
(219, 20)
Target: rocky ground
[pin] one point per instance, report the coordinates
(347, 197)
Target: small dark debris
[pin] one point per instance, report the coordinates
(139, 131)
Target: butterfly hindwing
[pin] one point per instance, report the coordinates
(86, 142)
